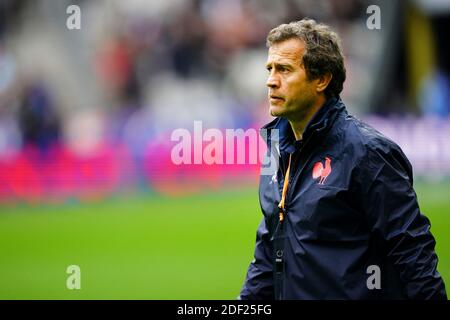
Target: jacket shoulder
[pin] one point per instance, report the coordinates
(370, 137)
(375, 146)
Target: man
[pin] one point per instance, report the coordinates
(341, 218)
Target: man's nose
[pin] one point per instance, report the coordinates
(273, 81)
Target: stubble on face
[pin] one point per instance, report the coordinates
(290, 93)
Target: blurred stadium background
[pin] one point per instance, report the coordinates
(86, 117)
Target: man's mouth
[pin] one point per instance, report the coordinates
(273, 97)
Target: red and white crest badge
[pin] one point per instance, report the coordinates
(321, 171)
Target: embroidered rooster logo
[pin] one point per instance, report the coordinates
(319, 171)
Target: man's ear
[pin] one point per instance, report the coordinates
(323, 81)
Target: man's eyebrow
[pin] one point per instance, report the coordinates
(278, 64)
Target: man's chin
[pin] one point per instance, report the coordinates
(276, 111)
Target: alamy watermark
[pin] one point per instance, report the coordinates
(73, 21)
(374, 20)
(224, 147)
(74, 279)
(374, 280)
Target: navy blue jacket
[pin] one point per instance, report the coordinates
(350, 209)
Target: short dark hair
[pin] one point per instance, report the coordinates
(323, 52)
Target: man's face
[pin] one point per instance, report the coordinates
(291, 94)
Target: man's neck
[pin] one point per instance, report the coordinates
(299, 125)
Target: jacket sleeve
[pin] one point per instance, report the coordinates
(393, 213)
(259, 280)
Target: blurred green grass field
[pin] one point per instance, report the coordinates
(152, 247)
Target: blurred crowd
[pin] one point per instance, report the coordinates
(162, 63)
(138, 69)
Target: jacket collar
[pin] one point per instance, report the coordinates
(322, 120)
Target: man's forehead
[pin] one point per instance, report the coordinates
(291, 49)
